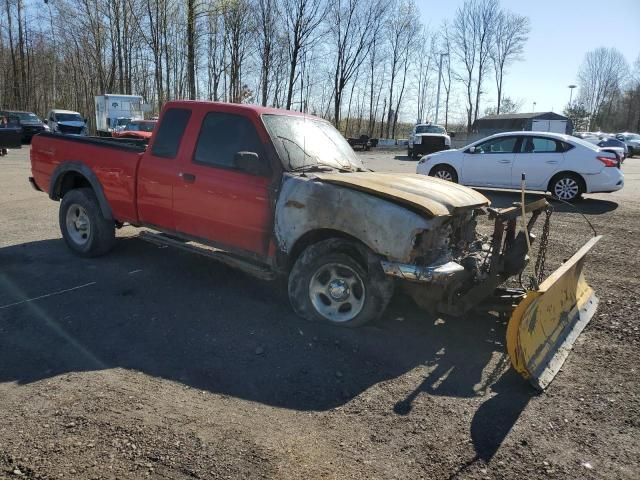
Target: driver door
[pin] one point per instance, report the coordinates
(214, 200)
(491, 162)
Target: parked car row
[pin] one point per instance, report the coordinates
(564, 165)
(629, 142)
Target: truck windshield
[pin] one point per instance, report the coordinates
(430, 129)
(68, 117)
(306, 142)
(140, 126)
(27, 117)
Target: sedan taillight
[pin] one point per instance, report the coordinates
(608, 161)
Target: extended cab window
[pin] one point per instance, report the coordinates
(172, 126)
(222, 136)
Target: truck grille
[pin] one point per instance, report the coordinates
(433, 144)
(69, 129)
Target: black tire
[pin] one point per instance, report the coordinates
(80, 207)
(567, 186)
(366, 302)
(631, 151)
(444, 172)
(409, 153)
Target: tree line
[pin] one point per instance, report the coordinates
(609, 93)
(369, 66)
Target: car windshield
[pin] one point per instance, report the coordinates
(610, 142)
(633, 136)
(27, 117)
(430, 129)
(68, 117)
(122, 121)
(304, 142)
(140, 126)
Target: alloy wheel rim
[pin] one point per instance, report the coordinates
(78, 224)
(337, 292)
(566, 189)
(444, 175)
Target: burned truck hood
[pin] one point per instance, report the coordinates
(430, 195)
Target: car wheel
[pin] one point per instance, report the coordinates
(410, 153)
(83, 227)
(329, 283)
(567, 186)
(444, 172)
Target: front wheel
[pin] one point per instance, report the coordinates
(330, 284)
(84, 228)
(567, 187)
(444, 172)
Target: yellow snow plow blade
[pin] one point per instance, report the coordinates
(547, 322)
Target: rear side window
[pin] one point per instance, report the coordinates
(170, 132)
(541, 145)
(222, 136)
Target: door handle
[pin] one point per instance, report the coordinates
(552, 161)
(504, 161)
(187, 177)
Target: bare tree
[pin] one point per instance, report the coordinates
(511, 33)
(353, 25)
(400, 31)
(268, 12)
(303, 19)
(472, 36)
(600, 78)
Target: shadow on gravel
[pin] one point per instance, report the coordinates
(588, 206)
(406, 158)
(183, 318)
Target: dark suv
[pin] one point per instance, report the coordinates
(30, 123)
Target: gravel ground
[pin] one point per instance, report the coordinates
(155, 363)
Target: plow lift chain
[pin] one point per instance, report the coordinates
(542, 250)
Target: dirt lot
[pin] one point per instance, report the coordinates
(152, 362)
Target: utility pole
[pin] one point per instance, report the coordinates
(439, 79)
(534, 107)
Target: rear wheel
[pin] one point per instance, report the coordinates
(84, 228)
(444, 172)
(566, 186)
(330, 284)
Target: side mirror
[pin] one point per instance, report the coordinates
(452, 134)
(250, 162)
(45, 121)
(472, 150)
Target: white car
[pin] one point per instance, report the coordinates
(564, 165)
(66, 122)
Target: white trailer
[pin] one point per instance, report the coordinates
(113, 112)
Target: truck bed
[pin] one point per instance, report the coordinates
(113, 161)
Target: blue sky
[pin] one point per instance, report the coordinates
(562, 31)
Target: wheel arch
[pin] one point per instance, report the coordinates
(359, 250)
(72, 174)
(580, 177)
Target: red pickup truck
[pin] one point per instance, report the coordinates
(276, 193)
